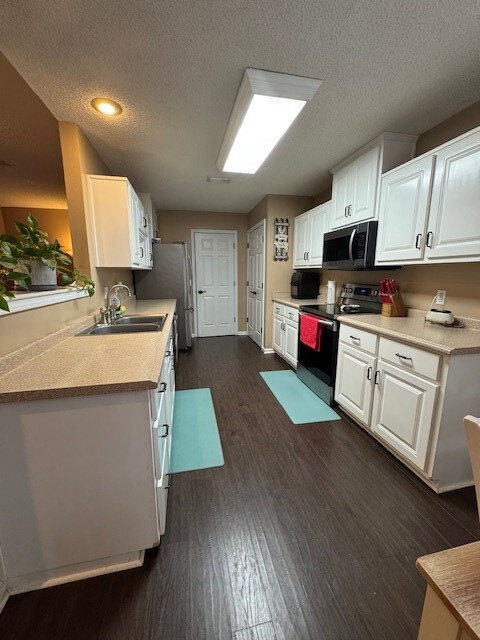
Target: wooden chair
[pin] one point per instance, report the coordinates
(472, 428)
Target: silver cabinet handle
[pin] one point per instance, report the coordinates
(167, 429)
(254, 293)
(168, 353)
(399, 355)
(377, 377)
(142, 254)
(145, 222)
(354, 338)
(429, 239)
(418, 241)
(350, 244)
(346, 211)
(162, 388)
(369, 373)
(308, 255)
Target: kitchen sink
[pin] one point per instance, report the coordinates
(120, 328)
(132, 320)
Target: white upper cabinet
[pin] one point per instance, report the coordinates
(430, 207)
(309, 230)
(403, 210)
(454, 224)
(356, 181)
(117, 224)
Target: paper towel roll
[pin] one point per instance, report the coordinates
(331, 292)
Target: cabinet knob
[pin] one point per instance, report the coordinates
(202, 291)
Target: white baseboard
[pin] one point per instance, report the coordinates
(267, 350)
(72, 573)
(241, 333)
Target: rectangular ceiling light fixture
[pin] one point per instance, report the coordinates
(266, 105)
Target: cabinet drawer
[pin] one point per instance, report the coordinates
(291, 313)
(410, 358)
(358, 338)
(278, 308)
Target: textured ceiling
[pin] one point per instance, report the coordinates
(176, 66)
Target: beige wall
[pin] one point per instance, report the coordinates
(54, 221)
(19, 329)
(277, 273)
(79, 159)
(456, 125)
(176, 226)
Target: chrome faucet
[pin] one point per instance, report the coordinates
(108, 315)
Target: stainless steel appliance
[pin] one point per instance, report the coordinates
(170, 277)
(317, 369)
(304, 284)
(350, 248)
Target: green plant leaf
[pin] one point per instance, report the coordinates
(3, 303)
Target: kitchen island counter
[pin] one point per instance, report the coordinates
(91, 365)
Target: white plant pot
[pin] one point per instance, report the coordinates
(43, 278)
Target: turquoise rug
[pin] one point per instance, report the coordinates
(195, 438)
(299, 402)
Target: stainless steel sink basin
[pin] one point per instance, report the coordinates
(120, 328)
(131, 320)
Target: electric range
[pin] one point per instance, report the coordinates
(317, 368)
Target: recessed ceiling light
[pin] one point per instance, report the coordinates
(266, 105)
(106, 106)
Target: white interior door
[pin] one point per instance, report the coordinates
(255, 278)
(215, 266)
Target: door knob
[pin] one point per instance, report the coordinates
(202, 291)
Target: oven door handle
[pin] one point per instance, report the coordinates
(350, 244)
(327, 323)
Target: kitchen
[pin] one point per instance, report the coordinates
(290, 501)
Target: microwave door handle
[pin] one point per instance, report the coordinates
(350, 245)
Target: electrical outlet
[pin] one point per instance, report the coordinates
(440, 298)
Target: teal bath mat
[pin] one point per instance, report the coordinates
(195, 438)
(299, 402)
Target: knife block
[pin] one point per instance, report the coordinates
(396, 308)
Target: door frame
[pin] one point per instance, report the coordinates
(263, 224)
(194, 272)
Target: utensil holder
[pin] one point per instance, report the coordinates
(396, 308)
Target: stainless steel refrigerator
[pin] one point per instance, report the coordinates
(170, 277)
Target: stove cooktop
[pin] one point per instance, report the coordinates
(332, 311)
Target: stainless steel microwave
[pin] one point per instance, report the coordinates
(351, 248)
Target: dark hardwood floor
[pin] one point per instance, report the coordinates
(307, 532)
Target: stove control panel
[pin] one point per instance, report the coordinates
(361, 292)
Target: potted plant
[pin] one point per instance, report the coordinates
(34, 262)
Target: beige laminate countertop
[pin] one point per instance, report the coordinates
(293, 302)
(90, 365)
(414, 330)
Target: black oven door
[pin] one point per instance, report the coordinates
(317, 369)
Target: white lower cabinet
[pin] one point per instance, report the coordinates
(285, 332)
(403, 412)
(354, 383)
(411, 400)
(83, 483)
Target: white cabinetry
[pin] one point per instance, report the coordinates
(429, 208)
(412, 400)
(309, 230)
(356, 181)
(86, 479)
(285, 332)
(119, 227)
(148, 224)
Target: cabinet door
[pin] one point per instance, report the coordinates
(291, 342)
(278, 340)
(403, 410)
(301, 243)
(354, 382)
(342, 189)
(454, 222)
(366, 174)
(318, 227)
(404, 200)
